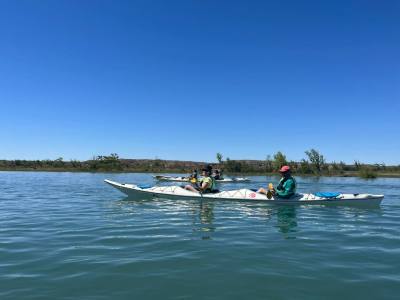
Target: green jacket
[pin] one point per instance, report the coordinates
(286, 187)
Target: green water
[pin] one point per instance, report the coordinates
(70, 236)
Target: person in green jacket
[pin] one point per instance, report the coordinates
(286, 187)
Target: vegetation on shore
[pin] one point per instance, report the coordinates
(367, 173)
(314, 164)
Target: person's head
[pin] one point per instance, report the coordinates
(216, 171)
(285, 171)
(205, 172)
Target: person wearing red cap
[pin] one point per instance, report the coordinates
(286, 187)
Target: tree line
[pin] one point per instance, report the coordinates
(314, 163)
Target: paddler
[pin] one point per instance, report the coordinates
(286, 187)
(193, 176)
(217, 175)
(206, 184)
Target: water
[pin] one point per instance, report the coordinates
(70, 236)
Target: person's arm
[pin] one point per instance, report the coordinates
(287, 189)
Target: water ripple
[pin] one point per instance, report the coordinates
(68, 236)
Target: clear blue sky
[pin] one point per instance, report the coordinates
(186, 79)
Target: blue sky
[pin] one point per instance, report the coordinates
(186, 79)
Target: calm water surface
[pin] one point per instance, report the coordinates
(70, 236)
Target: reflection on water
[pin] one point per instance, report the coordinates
(205, 223)
(286, 220)
(203, 218)
(206, 212)
(203, 214)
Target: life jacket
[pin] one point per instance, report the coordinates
(213, 186)
(282, 182)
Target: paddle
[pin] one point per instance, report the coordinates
(201, 194)
(194, 181)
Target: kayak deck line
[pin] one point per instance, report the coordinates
(177, 192)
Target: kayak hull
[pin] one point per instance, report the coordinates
(246, 195)
(186, 179)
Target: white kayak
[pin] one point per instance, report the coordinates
(186, 179)
(177, 193)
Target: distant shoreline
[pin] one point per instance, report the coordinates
(112, 163)
(59, 170)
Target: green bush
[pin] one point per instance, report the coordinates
(367, 173)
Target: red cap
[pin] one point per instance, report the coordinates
(284, 169)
